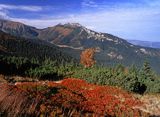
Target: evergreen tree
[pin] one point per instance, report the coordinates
(132, 78)
(146, 77)
(146, 71)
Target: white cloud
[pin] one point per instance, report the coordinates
(3, 15)
(20, 7)
(118, 16)
(124, 20)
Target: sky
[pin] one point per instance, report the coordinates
(128, 19)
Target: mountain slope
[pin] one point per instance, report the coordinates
(74, 38)
(18, 29)
(16, 46)
(109, 49)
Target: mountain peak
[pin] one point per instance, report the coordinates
(73, 24)
(85, 33)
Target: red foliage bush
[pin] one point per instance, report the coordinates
(71, 97)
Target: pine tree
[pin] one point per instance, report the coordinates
(145, 78)
(147, 72)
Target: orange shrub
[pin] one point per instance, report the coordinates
(87, 57)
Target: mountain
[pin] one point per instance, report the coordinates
(145, 43)
(110, 49)
(29, 48)
(73, 38)
(18, 29)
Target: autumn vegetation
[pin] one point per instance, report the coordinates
(87, 57)
(70, 97)
(49, 88)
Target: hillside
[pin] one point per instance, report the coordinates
(69, 97)
(110, 50)
(18, 46)
(28, 57)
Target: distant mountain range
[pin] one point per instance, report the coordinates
(145, 43)
(73, 38)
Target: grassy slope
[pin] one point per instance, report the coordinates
(69, 97)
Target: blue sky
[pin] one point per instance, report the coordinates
(129, 19)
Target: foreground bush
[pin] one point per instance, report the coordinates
(69, 97)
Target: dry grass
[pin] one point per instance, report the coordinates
(13, 79)
(15, 102)
(151, 103)
(2, 79)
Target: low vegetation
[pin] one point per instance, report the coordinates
(40, 96)
(134, 79)
(70, 97)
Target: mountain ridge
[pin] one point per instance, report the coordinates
(73, 38)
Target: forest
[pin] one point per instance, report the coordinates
(133, 79)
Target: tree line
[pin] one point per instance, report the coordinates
(134, 79)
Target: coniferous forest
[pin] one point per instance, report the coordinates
(134, 79)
